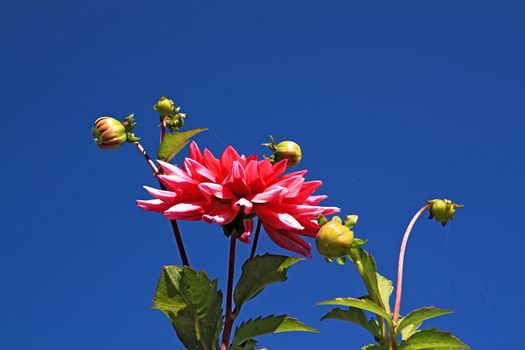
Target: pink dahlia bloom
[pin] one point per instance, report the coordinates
(219, 190)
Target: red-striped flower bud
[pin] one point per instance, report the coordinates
(109, 133)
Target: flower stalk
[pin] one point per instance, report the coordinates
(256, 239)
(174, 225)
(399, 285)
(230, 317)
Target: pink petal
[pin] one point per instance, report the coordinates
(165, 196)
(216, 190)
(277, 220)
(246, 204)
(268, 195)
(212, 163)
(248, 228)
(195, 152)
(236, 180)
(286, 241)
(153, 205)
(184, 211)
(194, 169)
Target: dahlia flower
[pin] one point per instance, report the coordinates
(219, 190)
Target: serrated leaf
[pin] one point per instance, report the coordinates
(420, 315)
(356, 316)
(432, 338)
(270, 324)
(174, 142)
(362, 304)
(193, 304)
(259, 272)
(385, 291)
(249, 344)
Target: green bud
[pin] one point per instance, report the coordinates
(288, 150)
(164, 106)
(351, 221)
(443, 210)
(109, 133)
(334, 239)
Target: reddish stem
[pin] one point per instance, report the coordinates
(399, 286)
(162, 129)
(174, 225)
(230, 317)
(256, 238)
(147, 157)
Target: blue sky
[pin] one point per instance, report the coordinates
(393, 103)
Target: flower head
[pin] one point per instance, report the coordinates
(239, 187)
(443, 210)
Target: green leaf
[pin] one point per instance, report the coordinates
(174, 142)
(356, 316)
(356, 243)
(420, 315)
(366, 266)
(193, 304)
(249, 344)
(409, 330)
(259, 272)
(268, 325)
(363, 304)
(374, 347)
(385, 291)
(430, 339)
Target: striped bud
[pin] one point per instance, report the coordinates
(109, 133)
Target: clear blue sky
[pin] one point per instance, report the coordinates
(393, 103)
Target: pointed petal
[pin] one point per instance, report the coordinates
(248, 228)
(278, 220)
(165, 196)
(286, 241)
(195, 152)
(216, 190)
(153, 205)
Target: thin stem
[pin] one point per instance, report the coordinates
(162, 129)
(174, 225)
(147, 157)
(399, 285)
(228, 322)
(180, 244)
(256, 238)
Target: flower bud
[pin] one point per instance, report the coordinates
(164, 106)
(334, 239)
(288, 150)
(109, 133)
(443, 210)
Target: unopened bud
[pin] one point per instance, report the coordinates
(288, 150)
(443, 210)
(164, 106)
(109, 133)
(334, 239)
